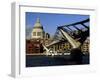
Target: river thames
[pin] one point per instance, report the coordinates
(57, 60)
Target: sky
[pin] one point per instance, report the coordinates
(50, 21)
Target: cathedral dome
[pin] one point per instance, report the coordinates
(38, 24)
(38, 31)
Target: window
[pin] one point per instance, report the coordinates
(38, 33)
(34, 33)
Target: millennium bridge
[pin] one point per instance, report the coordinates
(70, 33)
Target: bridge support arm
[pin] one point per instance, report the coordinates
(74, 43)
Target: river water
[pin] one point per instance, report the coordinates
(42, 60)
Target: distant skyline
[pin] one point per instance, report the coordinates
(50, 21)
